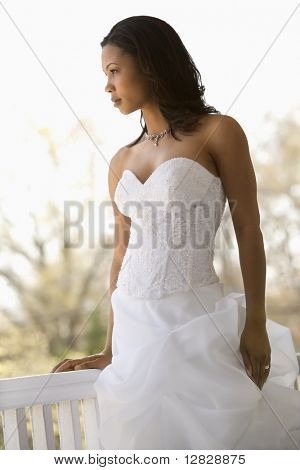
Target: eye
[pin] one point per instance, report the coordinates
(113, 70)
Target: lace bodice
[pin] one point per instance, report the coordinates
(175, 216)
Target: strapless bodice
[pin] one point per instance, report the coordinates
(175, 216)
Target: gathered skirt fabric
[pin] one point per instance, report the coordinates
(177, 378)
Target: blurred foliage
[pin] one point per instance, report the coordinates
(65, 300)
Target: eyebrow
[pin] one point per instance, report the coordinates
(110, 64)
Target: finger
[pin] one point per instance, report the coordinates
(262, 374)
(71, 365)
(83, 365)
(265, 375)
(267, 371)
(66, 366)
(57, 365)
(247, 363)
(256, 371)
(87, 365)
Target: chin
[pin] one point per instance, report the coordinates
(128, 110)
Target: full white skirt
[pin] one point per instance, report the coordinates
(177, 378)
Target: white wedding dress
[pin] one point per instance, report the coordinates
(177, 378)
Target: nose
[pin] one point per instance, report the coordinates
(108, 86)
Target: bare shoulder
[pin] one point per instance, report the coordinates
(226, 140)
(118, 164)
(116, 168)
(222, 129)
(228, 146)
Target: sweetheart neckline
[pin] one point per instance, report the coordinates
(163, 163)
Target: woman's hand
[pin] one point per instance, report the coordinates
(256, 352)
(95, 361)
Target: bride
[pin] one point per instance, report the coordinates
(185, 366)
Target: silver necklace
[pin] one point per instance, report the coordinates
(156, 137)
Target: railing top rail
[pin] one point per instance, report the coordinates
(17, 392)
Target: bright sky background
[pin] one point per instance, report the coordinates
(227, 39)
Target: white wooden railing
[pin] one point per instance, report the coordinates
(33, 396)
(65, 390)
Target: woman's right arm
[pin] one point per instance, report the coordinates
(121, 238)
(121, 235)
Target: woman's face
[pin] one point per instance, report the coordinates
(124, 80)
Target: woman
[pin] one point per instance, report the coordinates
(184, 366)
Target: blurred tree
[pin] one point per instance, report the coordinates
(64, 298)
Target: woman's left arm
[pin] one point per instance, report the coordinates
(228, 145)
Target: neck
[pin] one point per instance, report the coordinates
(155, 121)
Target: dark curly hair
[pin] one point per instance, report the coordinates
(175, 82)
